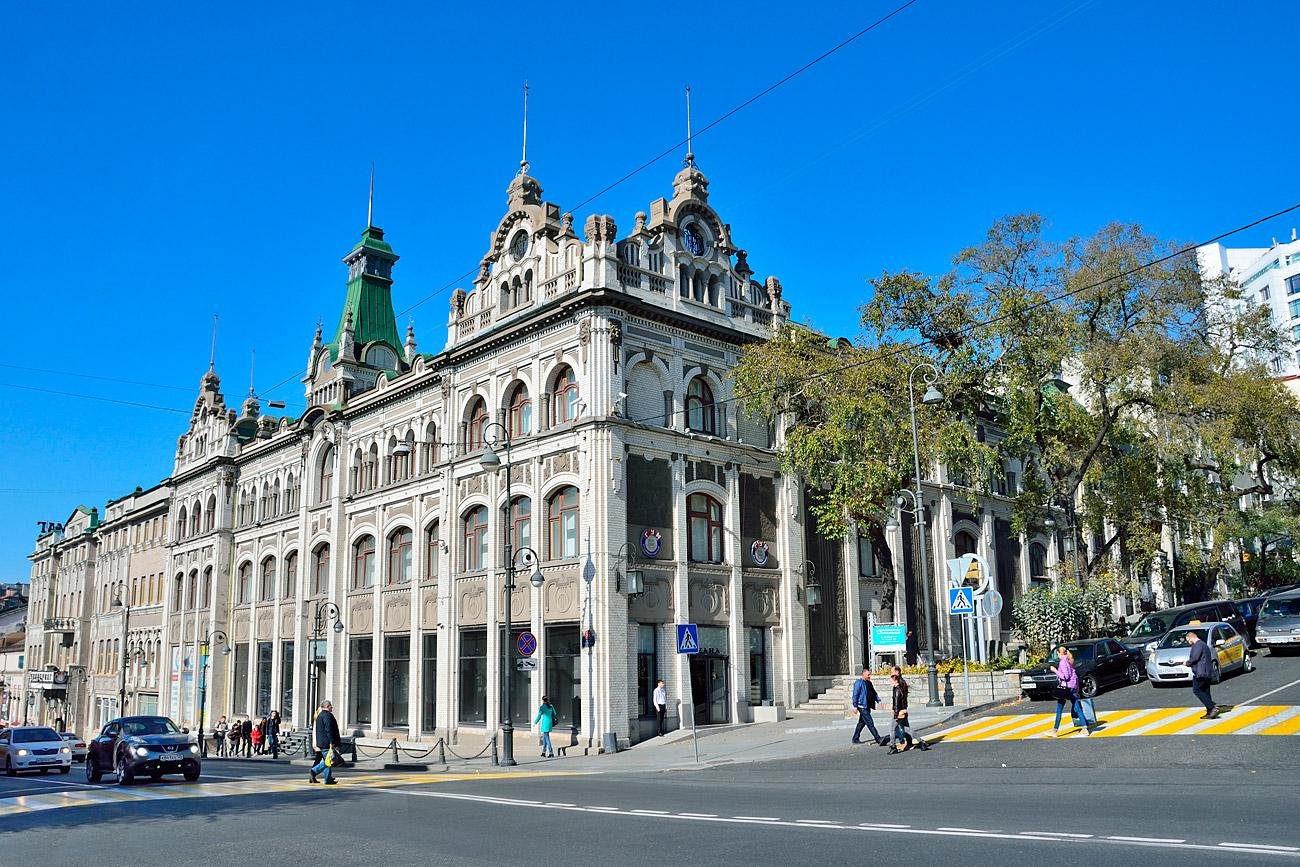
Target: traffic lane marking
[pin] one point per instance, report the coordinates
(1271, 692)
(831, 825)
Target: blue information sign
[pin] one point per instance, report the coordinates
(961, 600)
(688, 638)
(888, 637)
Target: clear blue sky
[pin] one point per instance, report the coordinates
(163, 163)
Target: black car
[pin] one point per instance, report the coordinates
(142, 745)
(1154, 626)
(1249, 611)
(1100, 662)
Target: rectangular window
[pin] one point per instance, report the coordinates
(521, 695)
(239, 701)
(1293, 285)
(264, 649)
(429, 683)
(647, 668)
(759, 688)
(563, 674)
(286, 680)
(1294, 307)
(397, 680)
(866, 558)
(361, 656)
(473, 675)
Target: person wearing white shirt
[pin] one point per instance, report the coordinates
(660, 700)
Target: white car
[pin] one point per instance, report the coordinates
(34, 748)
(1167, 662)
(74, 740)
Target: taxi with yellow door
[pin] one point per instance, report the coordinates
(1167, 661)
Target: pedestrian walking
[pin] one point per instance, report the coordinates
(273, 734)
(219, 733)
(326, 740)
(1067, 689)
(660, 700)
(865, 700)
(902, 725)
(256, 738)
(545, 721)
(246, 737)
(1201, 661)
(236, 736)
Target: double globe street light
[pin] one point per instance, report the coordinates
(491, 461)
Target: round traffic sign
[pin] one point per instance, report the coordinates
(527, 644)
(991, 602)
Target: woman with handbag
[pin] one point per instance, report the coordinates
(545, 721)
(1067, 689)
(901, 723)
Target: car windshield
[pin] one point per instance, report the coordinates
(1179, 638)
(1152, 625)
(1280, 608)
(158, 725)
(1080, 652)
(34, 736)
(68, 736)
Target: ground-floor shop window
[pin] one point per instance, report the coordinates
(429, 683)
(240, 699)
(397, 680)
(286, 680)
(521, 698)
(473, 675)
(361, 657)
(564, 673)
(264, 649)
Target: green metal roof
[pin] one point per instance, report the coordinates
(370, 298)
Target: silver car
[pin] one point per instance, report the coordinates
(1278, 627)
(78, 745)
(34, 748)
(1167, 662)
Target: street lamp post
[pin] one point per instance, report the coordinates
(121, 600)
(216, 637)
(326, 612)
(490, 461)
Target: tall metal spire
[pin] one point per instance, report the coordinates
(370, 204)
(252, 366)
(212, 358)
(523, 162)
(689, 162)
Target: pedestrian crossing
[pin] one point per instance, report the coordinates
(1243, 720)
(91, 796)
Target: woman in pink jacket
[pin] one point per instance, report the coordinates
(1067, 689)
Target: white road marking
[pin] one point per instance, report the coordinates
(1146, 842)
(977, 831)
(1269, 722)
(699, 815)
(604, 809)
(749, 818)
(558, 804)
(883, 825)
(1262, 847)
(1059, 834)
(817, 822)
(642, 812)
(1256, 699)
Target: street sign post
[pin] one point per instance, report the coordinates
(961, 600)
(991, 603)
(688, 641)
(527, 644)
(525, 664)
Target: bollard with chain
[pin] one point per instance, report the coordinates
(395, 759)
(442, 752)
(494, 750)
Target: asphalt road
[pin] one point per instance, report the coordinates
(1157, 800)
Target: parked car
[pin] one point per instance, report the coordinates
(136, 745)
(1101, 662)
(1152, 628)
(1167, 663)
(1278, 628)
(34, 748)
(77, 744)
(1249, 611)
(1288, 588)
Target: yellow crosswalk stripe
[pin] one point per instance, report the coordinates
(1244, 720)
(1238, 720)
(1167, 725)
(1137, 721)
(1005, 723)
(1039, 725)
(1287, 727)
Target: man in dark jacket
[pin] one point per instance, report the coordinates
(1201, 661)
(325, 737)
(246, 734)
(865, 699)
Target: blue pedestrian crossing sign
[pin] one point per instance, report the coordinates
(961, 600)
(688, 638)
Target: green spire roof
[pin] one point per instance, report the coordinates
(370, 297)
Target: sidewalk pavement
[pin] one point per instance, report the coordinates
(800, 734)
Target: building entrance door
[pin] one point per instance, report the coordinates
(709, 689)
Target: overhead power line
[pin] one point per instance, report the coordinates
(95, 397)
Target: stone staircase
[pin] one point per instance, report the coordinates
(834, 700)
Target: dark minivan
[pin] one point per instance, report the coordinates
(1154, 626)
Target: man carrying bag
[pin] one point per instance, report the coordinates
(325, 738)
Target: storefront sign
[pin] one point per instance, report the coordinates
(888, 638)
(758, 551)
(651, 542)
(47, 679)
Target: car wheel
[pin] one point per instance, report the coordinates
(66, 770)
(43, 770)
(93, 774)
(1216, 674)
(1087, 686)
(124, 777)
(9, 767)
(156, 776)
(1133, 673)
(191, 776)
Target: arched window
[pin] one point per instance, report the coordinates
(325, 475)
(699, 406)
(521, 412)
(704, 529)
(372, 467)
(290, 575)
(196, 520)
(192, 595)
(244, 578)
(178, 592)
(399, 556)
(363, 563)
(521, 523)
(432, 548)
(275, 498)
(565, 401)
(429, 448)
(211, 513)
(182, 523)
(291, 493)
(562, 524)
(1038, 561)
(964, 543)
(477, 423)
(476, 539)
(320, 569)
(358, 472)
(207, 587)
(266, 589)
